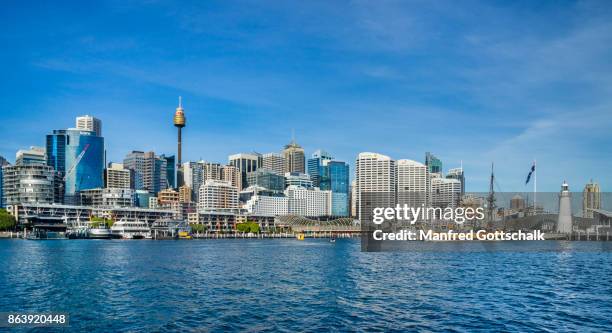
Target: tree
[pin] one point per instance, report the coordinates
(197, 228)
(7, 221)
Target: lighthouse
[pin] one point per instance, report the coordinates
(564, 222)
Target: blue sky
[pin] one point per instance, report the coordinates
(470, 81)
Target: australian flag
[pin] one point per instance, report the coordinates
(530, 173)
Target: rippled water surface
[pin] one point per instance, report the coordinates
(269, 285)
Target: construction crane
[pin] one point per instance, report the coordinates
(76, 162)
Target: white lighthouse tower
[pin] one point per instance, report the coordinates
(564, 223)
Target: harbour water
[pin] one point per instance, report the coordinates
(311, 285)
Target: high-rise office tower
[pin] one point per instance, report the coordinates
(179, 122)
(375, 183)
(591, 199)
(149, 171)
(89, 123)
(457, 173)
(245, 163)
(274, 162)
(412, 183)
(78, 155)
(116, 176)
(294, 158)
(171, 171)
(315, 166)
(433, 164)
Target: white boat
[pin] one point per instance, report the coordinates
(130, 229)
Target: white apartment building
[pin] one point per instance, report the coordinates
(217, 194)
(375, 183)
(267, 205)
(446, 192)
(308, 202)
(412, 184)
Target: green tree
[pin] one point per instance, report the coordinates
(197, 228)
(7, 221)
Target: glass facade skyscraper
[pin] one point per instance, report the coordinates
(333, 176)
(434, 164)
(78, 155)
(315, 165)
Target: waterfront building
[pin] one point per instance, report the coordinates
(27, 213)
(375, 183)
(308, 202)
(457, 173)
(167, 197)
(267, 205)
(89, 123)
(149, 171)
(116, 176)
(107, 197)
(315, 166)
(30, 182)
(78, 155)
(412, 181)
(245, 163)
(185, 194)
(274, 162)
(564, 221)
(295, 160)
(34, 155)
(591, 199)
(266, 179)
(434, 164)
(3, 163)
(446, 192)
(298, 179)
(218, 194)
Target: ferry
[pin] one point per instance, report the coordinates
(130, 229)
(101, 232)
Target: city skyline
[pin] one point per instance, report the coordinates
(248, 80)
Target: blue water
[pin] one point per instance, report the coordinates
(288, 285)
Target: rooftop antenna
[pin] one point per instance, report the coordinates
(181, 102)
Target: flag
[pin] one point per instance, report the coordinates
(530, 173)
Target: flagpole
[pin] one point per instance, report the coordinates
(535, 184)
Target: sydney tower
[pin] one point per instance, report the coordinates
(179, 123)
